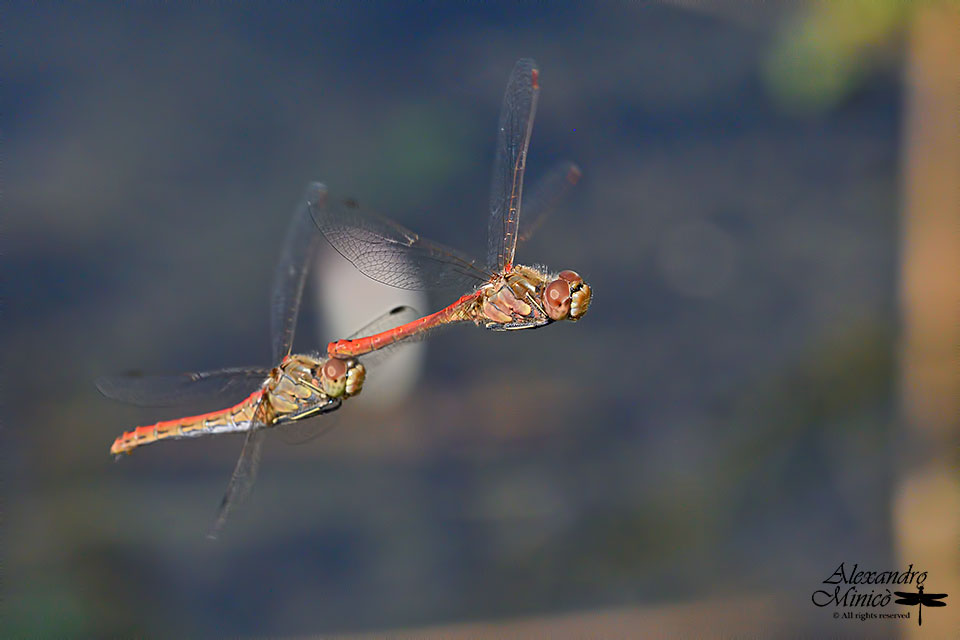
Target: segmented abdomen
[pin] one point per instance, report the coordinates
(459, 311)
(236, 418)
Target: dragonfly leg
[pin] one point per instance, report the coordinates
(504, 306)
(331, 405)
(493, 312)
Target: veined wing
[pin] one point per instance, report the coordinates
(244, 474)
(393, 318)
(184, 388)
(396, 317)
(545, 195)
(299, 247)
(513, 139)
(389, 253)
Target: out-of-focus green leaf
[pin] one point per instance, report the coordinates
(822, 52)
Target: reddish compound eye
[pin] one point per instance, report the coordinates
(571, 276)
(334, 369)
(556, 298)
(558, 291)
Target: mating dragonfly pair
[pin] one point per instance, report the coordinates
(502, 296)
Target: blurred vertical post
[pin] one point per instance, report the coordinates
(927, 502)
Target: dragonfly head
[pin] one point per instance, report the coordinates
(340, 377)
(567, 297)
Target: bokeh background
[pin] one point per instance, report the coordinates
(765, 385)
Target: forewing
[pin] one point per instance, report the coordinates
(389, 253)
(184, 388)
(297, 433)
(389, 320)
(545, 195)
(299, 247)
(513, 138)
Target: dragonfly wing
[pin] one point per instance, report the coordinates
(183, 388)
(297, 433)
(545, 195)
(244, 474)
(394, 318)
(299, 247)
(513, 138)
(389, 253)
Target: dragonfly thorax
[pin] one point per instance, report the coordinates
(307, 381)
(527, 297)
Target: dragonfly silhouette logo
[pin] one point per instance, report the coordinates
(920, 600)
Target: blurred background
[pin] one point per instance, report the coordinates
(765, 385)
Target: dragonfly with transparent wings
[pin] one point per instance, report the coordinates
(301, 386)
(503, 295)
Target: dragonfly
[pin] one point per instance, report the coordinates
(300, 387)
(503, 295)
(921, 600)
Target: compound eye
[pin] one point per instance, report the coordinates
(334, 378)
(571, 276)
(334, 369)
(556, 297)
